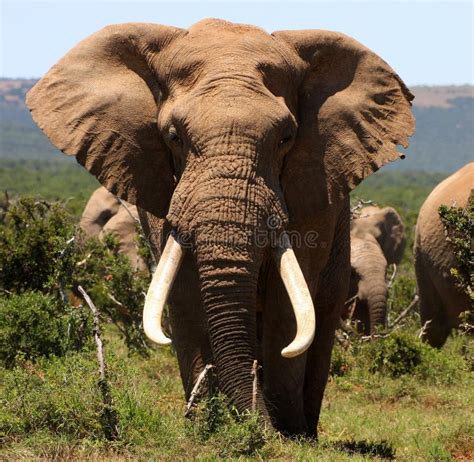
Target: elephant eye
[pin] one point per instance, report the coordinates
(285, 140)
(173, 135)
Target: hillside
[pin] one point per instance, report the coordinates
(443, 142)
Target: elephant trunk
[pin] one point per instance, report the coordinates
(377, 304)
(229, 295)
(229, 254)
(370, 265)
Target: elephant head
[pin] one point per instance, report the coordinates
(377, 239)
(103, 215)
(222, 129)
(386, 226)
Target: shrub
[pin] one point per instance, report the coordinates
(38, 253)
(33, 324)
(402, 354)
(396, 355)
(458, 223)
(31, 241)
(342, 361)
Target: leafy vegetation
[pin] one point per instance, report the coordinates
(393, 398)
(459, 227)
(42, 251)
(33, 324)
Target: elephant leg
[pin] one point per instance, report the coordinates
(434, 321)
(188, 325)
(329, 302)
(283, 378)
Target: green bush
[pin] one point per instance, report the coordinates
(342, 361)
(458, 223)
(402, 353)
(41, 250)
(31, 241)
(33, 324)
(397, 355)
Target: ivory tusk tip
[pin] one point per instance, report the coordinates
(291, 351)
(161, 340)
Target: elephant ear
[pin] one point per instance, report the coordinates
(392, 235)
(100, 103)
(353, 110)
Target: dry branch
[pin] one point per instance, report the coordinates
(109, 416)
(196, 389)
(405, 312)
(392, 277)
(423, 329)
(254, 385)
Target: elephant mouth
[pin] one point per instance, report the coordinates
(289, 270)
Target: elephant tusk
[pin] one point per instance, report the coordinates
(300, 298)
(159, 289)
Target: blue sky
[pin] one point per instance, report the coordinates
(425, 42)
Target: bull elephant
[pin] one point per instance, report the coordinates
(441, 301)
(377, 240)
(104, 214)
(239, 148)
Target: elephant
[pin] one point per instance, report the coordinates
(239, 149)
(377, 240)
(441, 300)
(105, 214)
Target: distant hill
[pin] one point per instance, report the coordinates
(444, 140)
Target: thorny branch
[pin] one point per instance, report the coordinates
(110, 420)
(405, 312)
(197, 389)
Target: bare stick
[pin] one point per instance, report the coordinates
(110, 422)
(254, 385)
(392, 277)
(423, 329)
(64, 252)
(405, 312)
(196, 389)
(350, 300)
(366, 338)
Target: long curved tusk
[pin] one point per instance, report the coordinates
(159, 289)
(300, 298)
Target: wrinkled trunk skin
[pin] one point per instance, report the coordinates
(227, 205)
(377, 305)
(370, 268)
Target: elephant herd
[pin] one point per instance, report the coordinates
(232, 142)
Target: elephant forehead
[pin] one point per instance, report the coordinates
(214, 45)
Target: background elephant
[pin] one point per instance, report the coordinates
(229, 140)
(377, 240)
(441, 301)
(104, 214)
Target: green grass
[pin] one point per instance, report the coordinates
(51, 409)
